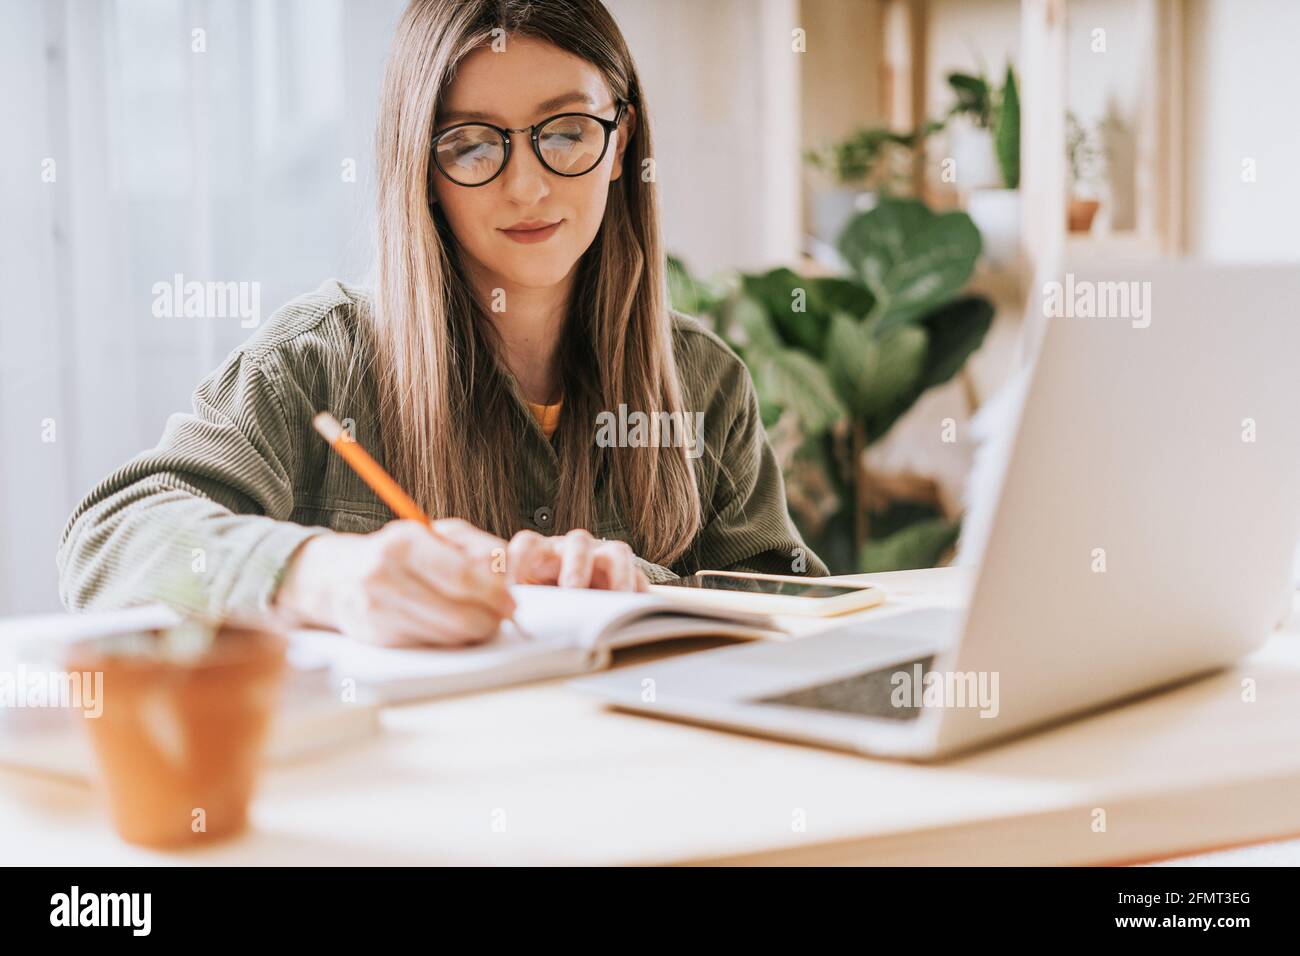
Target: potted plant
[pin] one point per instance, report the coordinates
(185, 713)
(1085, 159)
(836, 361)
(985, 146)
(970, 125)
(869, 163)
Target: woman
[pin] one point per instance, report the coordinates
(518, 301)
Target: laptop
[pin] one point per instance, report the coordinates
(1143, 532)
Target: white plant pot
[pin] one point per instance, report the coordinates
(996, 213)
(975, 157)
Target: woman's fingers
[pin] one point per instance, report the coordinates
(452, 572)
(576, 549)
(409, 614)
(531, 559)
(574, 560)
(408, 584)
(613, 567)
(475, 541)
(404, 584)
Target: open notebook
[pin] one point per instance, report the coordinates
(561, 632)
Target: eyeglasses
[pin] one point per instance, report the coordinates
(568, 144)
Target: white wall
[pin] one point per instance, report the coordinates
(1243, 104)
(968, 36)
(722, 84)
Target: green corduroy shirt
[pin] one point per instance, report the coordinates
(208, 520)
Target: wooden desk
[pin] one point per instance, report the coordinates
(540, 774)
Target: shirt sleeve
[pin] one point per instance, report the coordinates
(201, 521)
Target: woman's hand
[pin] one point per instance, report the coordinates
(574, 560)
(401, 585)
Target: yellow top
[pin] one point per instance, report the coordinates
(548, 416)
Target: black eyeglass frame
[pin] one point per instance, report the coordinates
(609, 126)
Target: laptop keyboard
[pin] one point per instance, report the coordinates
(864, 695)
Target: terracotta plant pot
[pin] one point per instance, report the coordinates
(185, 715)
(1080, 214)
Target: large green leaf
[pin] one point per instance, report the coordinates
(873, 372)
(902, 360)
(874, 241)
(919, 545)
(790, 379)
(1007, 135)
(955, 330)
(681, 287)
(693, 295)
(792, 302)
(910, 259)
(833, 294)
(852, 359)
(748, 325)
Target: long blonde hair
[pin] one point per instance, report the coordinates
(450, 423)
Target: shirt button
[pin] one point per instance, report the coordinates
(543, 517)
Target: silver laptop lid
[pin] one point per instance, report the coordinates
(1150, 507)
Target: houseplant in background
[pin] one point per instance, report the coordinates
(865, 165)
(969, 125)
(837, 360)
(984, 138)
(1085, 159)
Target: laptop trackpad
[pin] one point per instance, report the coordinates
(873, 693)
(872, 688)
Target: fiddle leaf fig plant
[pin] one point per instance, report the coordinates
(909, 258)
(836, 361)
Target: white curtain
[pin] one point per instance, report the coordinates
(145, 139)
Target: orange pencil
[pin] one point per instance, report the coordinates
(373, 474)
(370, 471)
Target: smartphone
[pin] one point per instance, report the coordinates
(772, 593)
